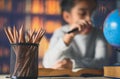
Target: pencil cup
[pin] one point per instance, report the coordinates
(24, 61)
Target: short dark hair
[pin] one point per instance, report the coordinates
(67, 5)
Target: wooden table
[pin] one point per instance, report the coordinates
(4, 77)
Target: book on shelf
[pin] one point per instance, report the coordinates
(47, 72)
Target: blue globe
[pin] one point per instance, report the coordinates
(112, 28)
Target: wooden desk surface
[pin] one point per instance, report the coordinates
(4, 77)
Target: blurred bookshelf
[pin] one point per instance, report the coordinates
(33, 14)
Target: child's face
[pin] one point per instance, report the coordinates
(81, 11)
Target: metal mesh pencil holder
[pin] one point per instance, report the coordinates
(24, 61)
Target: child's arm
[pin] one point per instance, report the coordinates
(57, 49)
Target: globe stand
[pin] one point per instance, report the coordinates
(117, 50)
(114, 70)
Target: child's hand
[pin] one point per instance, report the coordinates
(83, 28)
(64, 64)
(81, 25)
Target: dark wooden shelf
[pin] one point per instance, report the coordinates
(17, 15)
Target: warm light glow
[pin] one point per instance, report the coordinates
(37, 6)
(1, 52)
(2, 21)
(9, 5)
(6, 52)
(2, 5)
(51, 26)
(43, 46)
(36, 23)
(52, 7)
(5, 68)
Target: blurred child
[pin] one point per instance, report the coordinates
(84, 48)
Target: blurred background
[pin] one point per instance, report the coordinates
(34, 14)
